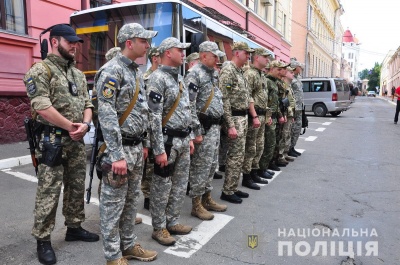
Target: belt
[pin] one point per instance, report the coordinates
(274, 115)
(261, 111)
(240, 112)
(176, 133)
(133, 140)
(53, 129)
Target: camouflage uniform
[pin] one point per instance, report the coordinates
(255, 136)
(287, 126)
(236, 97)
(269, 134)
(52, 89)
(205, 157)
(282, 93)
(116, 83)
(167, 193)
(297, 88)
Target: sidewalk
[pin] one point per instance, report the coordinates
(388, 99)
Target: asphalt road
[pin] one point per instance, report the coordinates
(338, 203)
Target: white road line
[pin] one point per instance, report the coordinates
(15, 161)
(333, 119)
(327, 123)
(21, 175)
(187, 245)
(320, 129)
(300, 150)
(146, 219)
(270, 180)
(311, 138)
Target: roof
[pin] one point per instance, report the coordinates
(348, 37)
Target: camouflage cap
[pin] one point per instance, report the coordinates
(210, 46)
(294, 63)
(241, 46)
(277, 64)
(112, 53)
(153, 52)
(261, 51)
(171, 42)
(191, 57)
(290, 68)
(134, 30)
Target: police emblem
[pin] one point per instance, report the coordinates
(252, 241)
(109, 88)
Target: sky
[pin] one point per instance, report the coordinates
(376, 25)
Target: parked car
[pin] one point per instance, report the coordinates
(324, 95)
(371, 94)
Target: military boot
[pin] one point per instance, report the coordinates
(211, 205)
(288, 158)
(75, 234)
(262, 174)
(249, 183)
(163, 237)
(256, 178)
(138, 220)
(273, 167)
(297, 153)
(179, 229)
(139, 253)
(120, 261)
(199, 211)
(292, 153)
(217, 175)
(45, 252)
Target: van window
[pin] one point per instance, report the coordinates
(306, 86)
(339, 85)
(320, 86)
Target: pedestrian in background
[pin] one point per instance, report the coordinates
(393, 91)
(397, 94)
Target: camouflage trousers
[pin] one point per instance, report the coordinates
(296, 128)
(235, 155)
(286, 135)
(148, 171)
(223, 148)
(118, 205)
(278, 136)
(167, 194)
(254, 146)
(204, 162)
(71, 173)
(269, 145)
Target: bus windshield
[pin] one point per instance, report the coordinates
(99, 29)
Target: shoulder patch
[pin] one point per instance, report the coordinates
(228, 86)
(30, 85)
(155, 97)
(109, 87)
(193, 87)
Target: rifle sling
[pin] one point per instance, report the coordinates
(126, 112)
(172, 110)
(204, 109)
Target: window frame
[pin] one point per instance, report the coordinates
(3, 18)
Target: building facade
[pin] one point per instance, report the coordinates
(316, 25)
(385, 74)
(351, 53)
(392, 70)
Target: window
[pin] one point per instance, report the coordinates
(320, 86)
(12, 16)
(96, 3)
(306, 86)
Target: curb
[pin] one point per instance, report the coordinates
(15, 161)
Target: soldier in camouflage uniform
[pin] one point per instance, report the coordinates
(255, 135)
(287, 127)
(117, 83)
(154, 58)
(297, 87)
(236, 99)
(275, 67)
(191, 60)
(209, 111)
(58, 94)
(171, 141)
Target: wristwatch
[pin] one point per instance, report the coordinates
(88, 125)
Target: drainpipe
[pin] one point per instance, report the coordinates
(247, 16)
(307, 66)
(334, 38)
(84, 5)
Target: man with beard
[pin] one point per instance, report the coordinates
(58, 94)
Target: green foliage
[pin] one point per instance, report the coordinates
(373, 75)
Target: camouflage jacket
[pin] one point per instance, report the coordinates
(55, 89)
(147, 74)
(273, 99)
(297, 88)
(116, 85)
(292, 101)
(258, 88)
(203, 78)
(282, 92)
(235, 91)
(163, 89)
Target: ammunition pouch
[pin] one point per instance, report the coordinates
(284, 104)
(166, 171)
(208, 121)
(51, 154)
(112, 179)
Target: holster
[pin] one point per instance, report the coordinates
(166, 171)
(51, 154)
(112, 179)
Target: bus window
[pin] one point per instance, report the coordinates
(192, 19)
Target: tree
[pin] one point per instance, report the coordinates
(363, 74)
(374, 77)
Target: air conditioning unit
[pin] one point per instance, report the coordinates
(266, 2)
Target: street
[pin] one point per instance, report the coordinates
(338, 203)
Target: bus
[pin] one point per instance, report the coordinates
(99, 26)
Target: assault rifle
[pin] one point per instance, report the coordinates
(32, 143)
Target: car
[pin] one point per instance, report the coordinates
(371, 94)
(324, 95)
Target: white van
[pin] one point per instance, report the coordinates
(324, 95)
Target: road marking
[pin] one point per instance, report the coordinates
(15, 161)
(327, 123)
(270, 180)
(189, 244)
(300, 150)
(20, 175)
(333, 119)
(320, 129)
(310, 138)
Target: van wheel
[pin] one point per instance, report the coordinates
(335, 113)
(320, 110)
